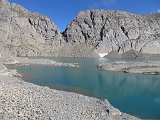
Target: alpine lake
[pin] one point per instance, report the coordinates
(135, 94)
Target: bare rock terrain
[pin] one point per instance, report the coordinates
(22, 61)
(25, 101)
(132, 67)
(92, 32)
(115, 31)
(132, 54)
(23, 33)
(27, 61)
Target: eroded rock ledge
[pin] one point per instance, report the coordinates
(132, 67)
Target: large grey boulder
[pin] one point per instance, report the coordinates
(116, 31)
(23, 33)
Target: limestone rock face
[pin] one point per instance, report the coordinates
(92, 32)
(78, 50)
(23, 33)
(117, 31)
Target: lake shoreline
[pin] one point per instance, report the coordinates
(22, 100)
(19, 61)
(148, 68)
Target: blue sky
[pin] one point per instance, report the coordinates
(62, 12)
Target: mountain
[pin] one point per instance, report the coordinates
(92, 32)
(116, 31)
(23, 33)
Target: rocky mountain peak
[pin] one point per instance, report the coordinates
(23, 33)
(117, 31)
(92, 32)
(19, 10)
(3, 2)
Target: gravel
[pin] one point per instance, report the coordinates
(20, 100)
(25, 101)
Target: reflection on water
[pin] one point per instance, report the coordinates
(135, 94)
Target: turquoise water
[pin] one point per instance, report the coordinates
(135, 94)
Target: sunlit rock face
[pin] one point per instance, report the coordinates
(23, 33)
(116, 31)
(90, 34)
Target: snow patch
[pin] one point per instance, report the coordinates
(102, 54)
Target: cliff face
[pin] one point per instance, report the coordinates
(92, 32)
(116, 31)
(23, 33)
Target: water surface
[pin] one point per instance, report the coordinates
(135, 94)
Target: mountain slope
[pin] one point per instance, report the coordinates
(23, 33)
(116, 31)
(92, 32)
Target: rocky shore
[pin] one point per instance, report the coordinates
(92, 32)
(25, 101)
(20, 100)
(132, 67)
(26, 61)
(132, 54)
